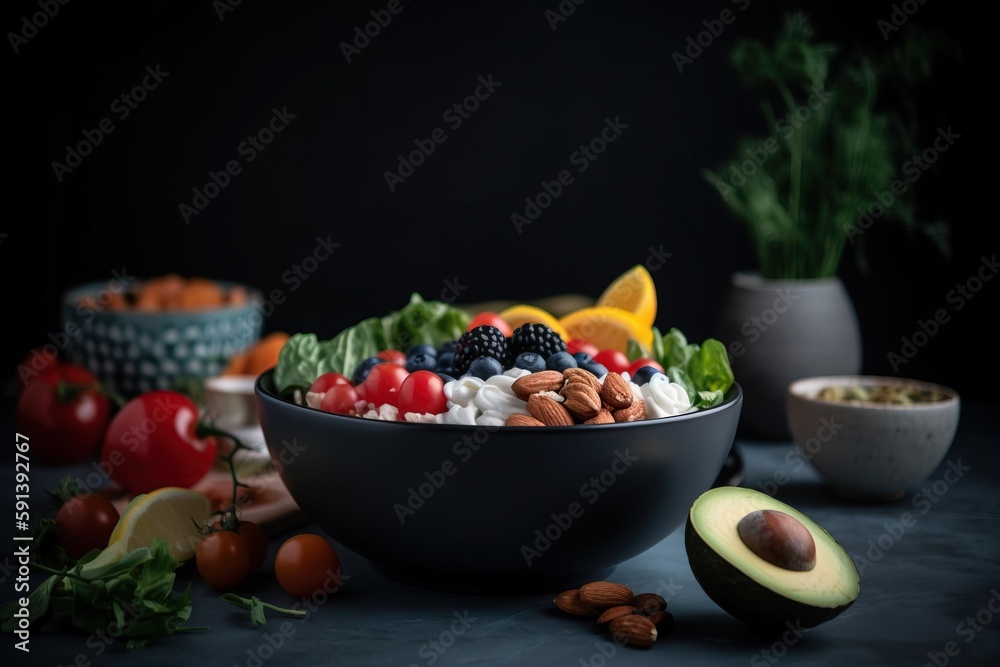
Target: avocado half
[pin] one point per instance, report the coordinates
(752, 589)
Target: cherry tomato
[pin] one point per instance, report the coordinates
(493, 319)
(327, 380)
(422, 392)
(383, 382)
(614, 360)
(306, 564)
(223, 559)
(65, 413)
(574, 345)
(643, 361)
(393, 356)
(255, 538)
(152, 442)
(85, 523)
(340, 399)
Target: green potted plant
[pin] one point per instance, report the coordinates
(830, 167)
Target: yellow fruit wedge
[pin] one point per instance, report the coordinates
(174, 513)
(633, 291)
(608, 328)
(520, 314)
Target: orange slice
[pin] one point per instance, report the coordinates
(633, 291)
(520, 314)
(608, 328)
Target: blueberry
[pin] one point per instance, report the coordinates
(560, 361)
(582, 357)
(599, 370)
(485, 367)
(530, 361)
(445, 360)
(361, 372)
(644, 374)
(421, 348)
(450, 346)
(421, 362)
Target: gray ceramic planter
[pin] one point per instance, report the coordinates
(778, 331)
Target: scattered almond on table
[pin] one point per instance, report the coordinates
(635, 620)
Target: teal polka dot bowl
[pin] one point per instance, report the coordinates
(135, 351)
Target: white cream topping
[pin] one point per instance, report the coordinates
(459, 414)
(664, 398)
(463, 390)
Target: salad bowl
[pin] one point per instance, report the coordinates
(493, 509)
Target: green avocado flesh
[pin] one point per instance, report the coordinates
(752, 589)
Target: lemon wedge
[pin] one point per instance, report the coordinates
(174, 513)
(520, 314)
(608, 328)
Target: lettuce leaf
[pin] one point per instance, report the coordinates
(703, 370)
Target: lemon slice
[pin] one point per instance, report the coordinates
(608, 328)
(174, 513)
(633, 291)
(520, 314)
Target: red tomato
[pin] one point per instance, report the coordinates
(152, 442)
(422, 392)
(614, 360)
(383, 382)
(574, 345)
(340, 399)
(84, 523)
(64, 412)
(306, 564)
(493, 319)
(223, 559)
(643, 361)
(255, 538)
(327, 380)
(393, 356)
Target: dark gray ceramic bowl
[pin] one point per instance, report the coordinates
(495, 509)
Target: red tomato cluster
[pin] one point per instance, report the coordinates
(388, 383)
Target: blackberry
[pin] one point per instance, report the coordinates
(536, 338)
(482, 341)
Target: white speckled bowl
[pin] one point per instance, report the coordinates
(869, 450)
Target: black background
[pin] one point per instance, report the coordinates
(323, 175)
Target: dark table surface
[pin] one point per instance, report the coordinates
(930, 590)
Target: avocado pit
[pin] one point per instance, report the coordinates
(778, 538)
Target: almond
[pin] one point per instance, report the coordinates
(517, 419)
(526, 385)
(616, 391)
(605, 594)
(549, 411)
(649, 603)
(569, 602)
(580, 375)
(663, 620)
(633, 412)
(581, 400)
(615, 612)
(635, 630)
(602, 417)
